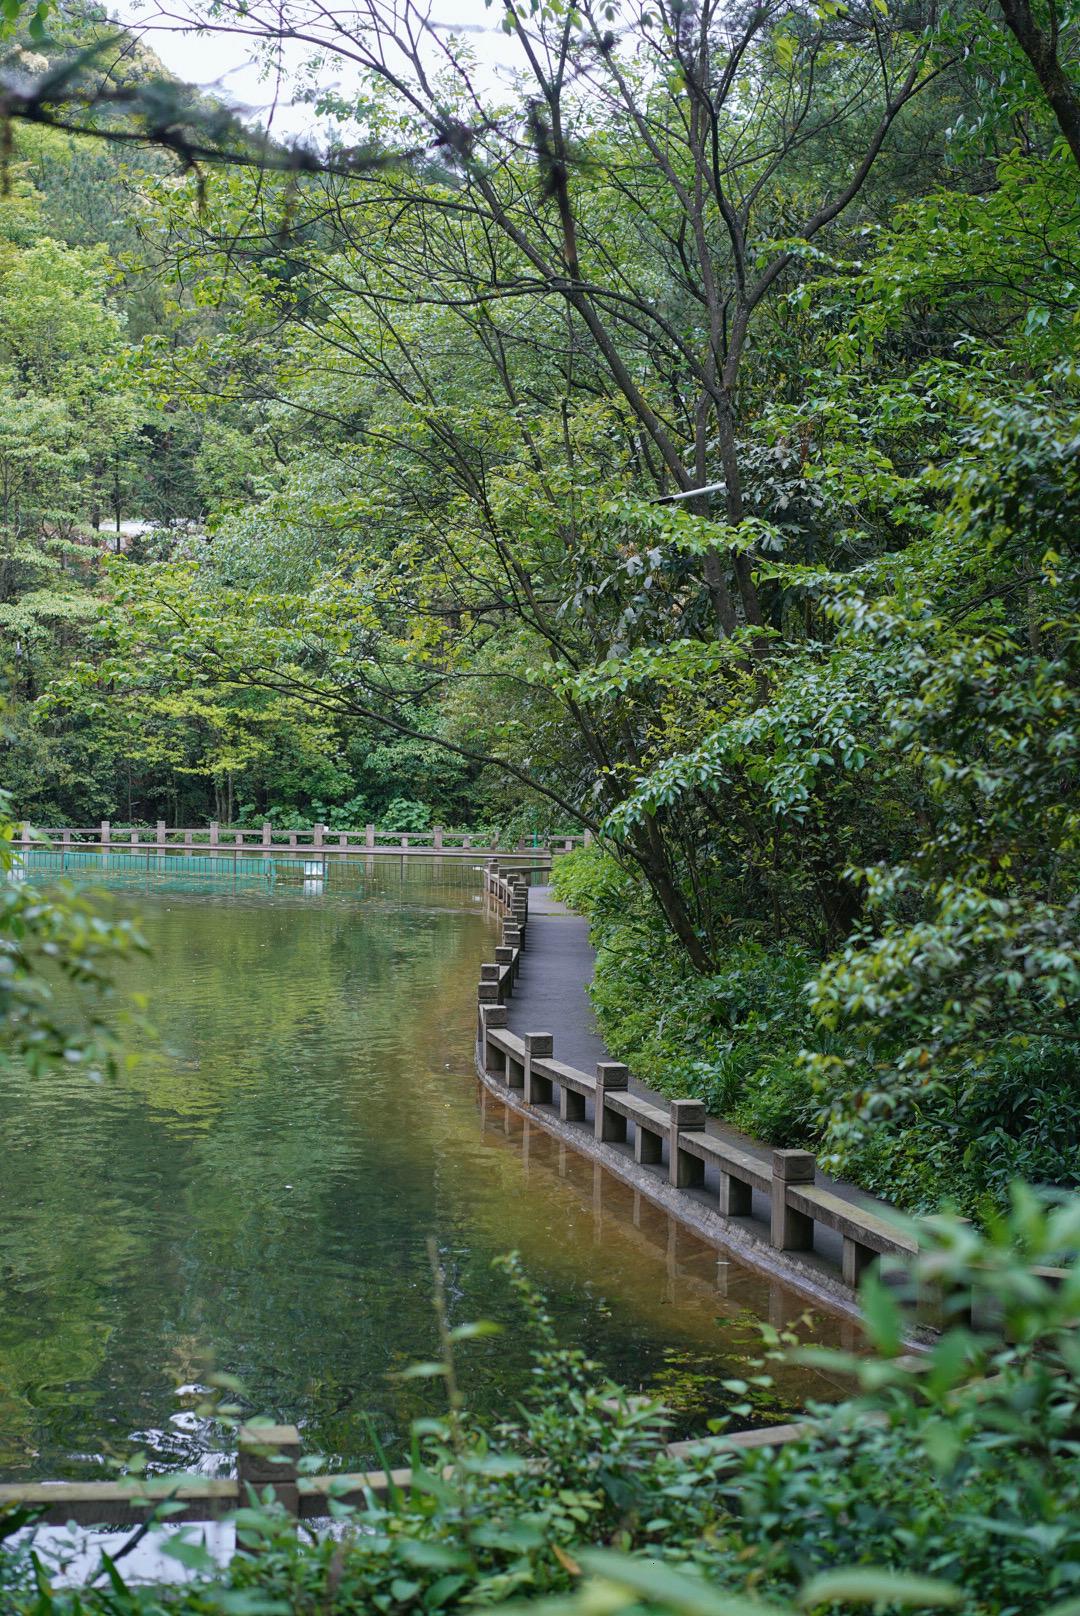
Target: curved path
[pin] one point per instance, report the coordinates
(551, 995)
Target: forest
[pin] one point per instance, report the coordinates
(683, 448)
(674, 436)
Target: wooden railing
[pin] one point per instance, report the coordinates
(266, 838)
(267, 1466)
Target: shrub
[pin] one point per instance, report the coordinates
(737, 1039)
(949, 1482)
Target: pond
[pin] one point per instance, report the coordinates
(254, 1196)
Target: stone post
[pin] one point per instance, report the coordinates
(437, 837)
(161, 833)
(609, 1125)
(268, 1456)
(494, 1061)
(187, 838)
(736, 1198)
(213, 833)
(65, 837)
(790, 1231)
(369, 836)
(490, 977)
(267, 833)
(317, 835)
(538, 1046)
(684, 1116)
(855, 1261)
(487, 992)
(106, 832)
(505, 955)
(648, 1146)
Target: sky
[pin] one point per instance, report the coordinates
(226, 67)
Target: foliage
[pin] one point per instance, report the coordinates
(682, 443)
(642, 457)
(46, 938)
(945, 1482)
(739, 1039)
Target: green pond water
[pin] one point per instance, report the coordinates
(256, 1194)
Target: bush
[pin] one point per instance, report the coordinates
(733, 1037)
(737, 1039)
(949, 1482)
(1014, 1116)
(402, 813)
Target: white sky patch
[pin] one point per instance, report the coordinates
(229, 68)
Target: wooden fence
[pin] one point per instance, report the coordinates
(435, 842)
(268, 1457)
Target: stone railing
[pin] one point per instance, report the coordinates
(672, 1141)
(265, 838)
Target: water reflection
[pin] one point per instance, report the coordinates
(255, 1196)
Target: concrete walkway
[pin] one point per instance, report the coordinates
(551, 995)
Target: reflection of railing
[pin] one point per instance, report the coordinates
(372, 839)
(671, 1142)
(226, 863)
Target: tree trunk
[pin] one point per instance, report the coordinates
(1041, 51)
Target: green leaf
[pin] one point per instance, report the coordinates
(872, 1587)
(882, 1313)
(663, 1585)
(190, 1552)
(470, 1332)
(433, 1556)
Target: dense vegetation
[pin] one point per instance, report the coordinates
(933, 1487)
(745, 1038)
(681, 442)
(678, 439)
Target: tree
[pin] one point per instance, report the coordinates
(44, 940)
(720, 122)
